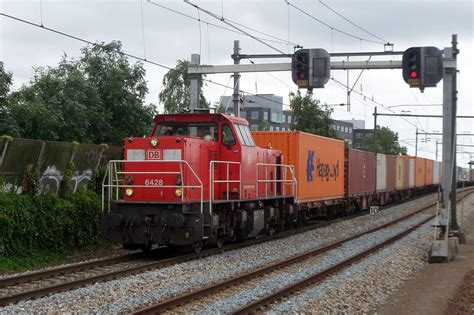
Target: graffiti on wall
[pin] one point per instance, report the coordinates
(50, 181)
(51, 178)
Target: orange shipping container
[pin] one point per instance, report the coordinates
(429, 172)
(420, 170)
(318, 161)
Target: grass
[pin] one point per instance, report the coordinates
(32, 259)
(38, 258)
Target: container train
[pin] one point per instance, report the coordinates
(202, 178)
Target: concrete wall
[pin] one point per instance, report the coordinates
(50, 159)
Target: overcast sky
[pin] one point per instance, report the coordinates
(169, 36)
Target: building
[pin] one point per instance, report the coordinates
(356, 123)
(344, 129)
(269, 108)
(359, 135)
(262, 107)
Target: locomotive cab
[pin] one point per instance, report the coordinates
(195, 178)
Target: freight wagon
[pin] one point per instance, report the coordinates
(319, 168)
(360, 178)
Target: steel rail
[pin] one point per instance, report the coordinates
(61, 270)
(73, 284)
(204, 291)
(299, 285)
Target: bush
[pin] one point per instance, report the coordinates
(30, 223)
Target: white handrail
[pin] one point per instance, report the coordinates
(286, 168)
(212, 181)
(118, 183)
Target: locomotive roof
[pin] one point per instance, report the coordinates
(198, 117)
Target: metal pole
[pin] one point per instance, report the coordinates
(236, 57)
(375, 129)
(348, 90)
(437, 150)
(454, 92)
(194, 82)
(375, 144)
(416, 143)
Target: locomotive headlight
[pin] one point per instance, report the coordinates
(178, 192)
(129, 180)
(129, 192)
(178, 180)
(154, 142)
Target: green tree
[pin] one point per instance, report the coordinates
(264, 125)
(387, 142)
(58, 104)
(220, 108)
(122, 88)
(7, 124)
(98, 98)
(309, 116)
(175, 95)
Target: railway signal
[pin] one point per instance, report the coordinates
(300, 68)
(422, 66)
(310, 68)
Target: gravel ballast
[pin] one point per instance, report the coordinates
(134, 291)
(278, 280)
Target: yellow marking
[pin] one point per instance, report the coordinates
(414, 82)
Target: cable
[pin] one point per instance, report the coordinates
(274, 77)
(333, 28)
(200, 36)
(356, 25)
(41, 12)
(231, 25)
(117, 51)
(82, 40)
(257, 31)
(215, 25)
(378, 103)
(208, 46)
(143, 29)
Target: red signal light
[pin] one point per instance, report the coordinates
(301, 75)
(413, 74)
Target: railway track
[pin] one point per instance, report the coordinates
(38, 284)
(193, 300)
(41, 283)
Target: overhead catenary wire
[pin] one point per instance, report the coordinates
(82, 40)
(41, 11)
(200, 35)
(117, 51)
(332, 27)
(279, 41)
(356, 25)
(223, 20)
(143, 28)
(377, 103)
(259, 32)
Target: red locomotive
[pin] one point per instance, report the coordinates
(196, 178)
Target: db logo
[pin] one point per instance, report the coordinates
(153, 154)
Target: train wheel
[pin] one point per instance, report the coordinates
(220, 242)
(146, 247)
(197, 247)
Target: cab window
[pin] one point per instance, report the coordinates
(228, 138)
(244, 135)
(204, 131)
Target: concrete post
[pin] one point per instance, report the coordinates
(195, 83)
(236, 99)
(448, 130)
(416, 143)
